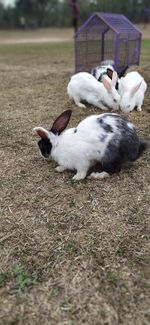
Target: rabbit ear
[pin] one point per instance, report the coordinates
(109, 73)
(43, 133)
(114, 78)
(122, 73)
(135, 88)
(106, 84)
(61, 122)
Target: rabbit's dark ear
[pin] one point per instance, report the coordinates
(122, 73)
(109, 73)
(61, 122)
(41, 132)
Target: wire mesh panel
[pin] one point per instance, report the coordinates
(109, 45)
(129, 50)
(89, 45)
(133, 48)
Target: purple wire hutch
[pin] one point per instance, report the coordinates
(107, 36)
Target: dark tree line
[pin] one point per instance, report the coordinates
(42, 13)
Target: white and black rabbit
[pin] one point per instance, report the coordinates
(107, 68)
(107, 139)
(132, 89)
(84, 87)
(103, 69)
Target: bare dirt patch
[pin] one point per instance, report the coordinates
(71, 253)
(145, 29)
(36, 36)
(48, 35)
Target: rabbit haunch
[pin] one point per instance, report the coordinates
(84, 87)
(107, 139)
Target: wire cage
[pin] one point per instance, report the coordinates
(107, 36)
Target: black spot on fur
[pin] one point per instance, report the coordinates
(101, 75)
(45, 147)
(94, 72)
(107, 127)
(117, 85)
(103, 137)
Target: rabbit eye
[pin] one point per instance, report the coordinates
(115, 101)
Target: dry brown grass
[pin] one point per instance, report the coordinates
(71, 253)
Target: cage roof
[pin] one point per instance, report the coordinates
(118, 23)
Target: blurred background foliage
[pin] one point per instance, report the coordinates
(44, 13)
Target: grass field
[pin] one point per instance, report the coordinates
(72, 253)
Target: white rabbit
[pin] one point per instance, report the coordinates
(132, 88)
(107, 139)
(84, 87)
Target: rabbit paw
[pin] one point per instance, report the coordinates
(60, 169)
(81, 105)
(78, 176)
(104, 108)
(139, 108)
(99, 175)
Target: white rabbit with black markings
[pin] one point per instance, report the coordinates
(132, 89)
(84, 87)
(99, 71)
(107, 69)
(107, 139)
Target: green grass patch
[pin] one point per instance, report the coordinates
(18, 277)
(145, 50)
(113, 276)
